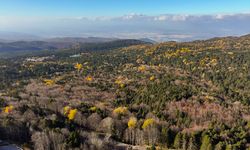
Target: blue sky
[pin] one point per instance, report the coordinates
(90, 8)
(161, 20)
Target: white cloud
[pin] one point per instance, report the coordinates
(161, 18)
(179, 17)
(219, 16)
(171, 18)
(158, 27)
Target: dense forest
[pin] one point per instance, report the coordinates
(129, 94)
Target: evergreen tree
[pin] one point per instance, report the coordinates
(219, 146)
(229, 147)
(178, 140)
(192, 143)
(206, 143)
(184, 141)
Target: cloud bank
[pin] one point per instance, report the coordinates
(161, 27)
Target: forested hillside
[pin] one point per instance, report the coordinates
(129, 94)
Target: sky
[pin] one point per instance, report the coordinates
(157, 19)
(91, 8)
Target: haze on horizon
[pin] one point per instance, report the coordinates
(160, 20)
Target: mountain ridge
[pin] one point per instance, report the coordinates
(69, 42)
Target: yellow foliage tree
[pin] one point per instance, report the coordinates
(122, 85)
(120, 81)
(78, 66)
(66, 110)
(89, 78)
(8, 109)
(142, 68)
(72, 114)
(132, 122)
(147, 123)
(152, 78)
(120, 110)
(49, 82)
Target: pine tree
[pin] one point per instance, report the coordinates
(206, 143)
(192, 144)
(229, 147)
(219, 146)
(184, 141)
(167, 137)
(178, 141)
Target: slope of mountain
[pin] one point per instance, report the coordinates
(69, 42)
(148, 40)
(24, 45)
(129, 94)
(64, 43)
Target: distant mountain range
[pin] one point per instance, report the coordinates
(31, 45)
(12, 41)
(62, 43)
(73, 42)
